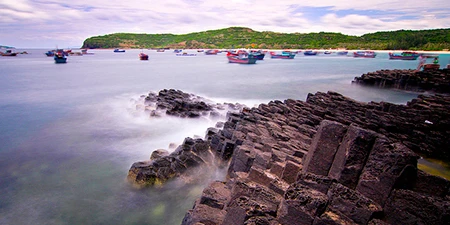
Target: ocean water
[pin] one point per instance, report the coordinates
(70, 132)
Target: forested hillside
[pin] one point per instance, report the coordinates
(239, 37)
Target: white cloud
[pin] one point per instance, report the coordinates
(73, 21)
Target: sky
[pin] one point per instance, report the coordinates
(50, 23)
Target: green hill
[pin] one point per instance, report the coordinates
(240, 37)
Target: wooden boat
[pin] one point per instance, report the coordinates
(283, 55)
(309, 52)
(119, 50)
(365, 54)
(241, 59)
(59, 56)
(50, 53)
(160, 50)
(186, 54)
(404, 56)
(143, 56)
(9, 52)
(212, 52)
(259, 54)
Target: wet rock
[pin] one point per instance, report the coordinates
(158, 154)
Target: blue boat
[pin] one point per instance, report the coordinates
(309, 52)
(364, 54)
(60, 57)
(342, 52)
(283, 55)
(50, 53)
(119, 50)
(177, 51)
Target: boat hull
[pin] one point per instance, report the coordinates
(309, 53)
(236, 59)
(273, 55)
(143, 56)
(364, 54)
(60, 59)
(402, 57)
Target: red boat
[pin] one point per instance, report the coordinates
(365, 54)
(143, 56)
(212, 52)
(404, 56)
(241, 59)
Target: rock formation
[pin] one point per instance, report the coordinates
(328, 160)
(410, 80)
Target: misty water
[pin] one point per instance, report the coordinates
(70, 132)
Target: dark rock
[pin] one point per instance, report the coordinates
(432, 185)
(216, 195)
(324, 147)
(313, 181)
(408, 207)
(352, 155)
(360, 157)
(333, 217)
(410, 80)
(353, 204)
(301, 205)
(290, 171)
(203, 214)
(158, 154)
(386, 164)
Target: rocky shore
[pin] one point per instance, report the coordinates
(326, 160)
(409, 80)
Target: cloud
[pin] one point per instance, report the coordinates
(73, 21)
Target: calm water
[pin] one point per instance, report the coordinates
(68, 136)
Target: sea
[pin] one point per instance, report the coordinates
(70, 132)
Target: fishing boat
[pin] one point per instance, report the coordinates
(258, 54)
(283, 55)
(342, 52)
(364, 54)
(186, 54)
(327, 52)
(160, 50)
(309, 53)
(177, 51)
(119, 50)
(8, 52)
(59, 56)
(241, 59)
(143, 56)
(50, 53)
(212, 52)
(404, 55)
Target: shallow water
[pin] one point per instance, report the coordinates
(69, 132)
